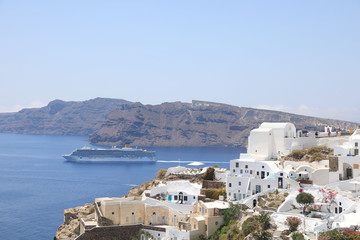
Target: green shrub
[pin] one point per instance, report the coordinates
(250, 225)
(231, 213)
(316, 157)
(297, 236)
(317, 149)
(293, 223)
(262, 235)
(214, 193)
(161, 174)
(209, 174)
(297, 154)
(264, 220)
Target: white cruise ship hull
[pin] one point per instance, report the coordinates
(106, 159)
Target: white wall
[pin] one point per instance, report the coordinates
(321, 176)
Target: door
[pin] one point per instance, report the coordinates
(280, 182)
(132, 219)
(349, 173)
(258, 188)
(153, 222)
(262, 174)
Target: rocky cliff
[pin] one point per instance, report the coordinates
(194, 124)
(60, 117)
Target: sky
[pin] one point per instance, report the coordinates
(293, 56)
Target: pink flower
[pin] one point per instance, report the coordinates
(301, 190)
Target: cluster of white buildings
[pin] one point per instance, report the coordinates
(259, 171)
(176, 212)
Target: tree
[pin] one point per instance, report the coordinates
(264, 219)
(262, 235)
(209, 174)
(304, 200)
(231, 213)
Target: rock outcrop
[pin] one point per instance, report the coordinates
(70, 229)
(194, 124)
(60, 117)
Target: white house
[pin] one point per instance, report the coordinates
(248, 177)
(259, 170)
(182, 192)
(345, 164)
(273, 140)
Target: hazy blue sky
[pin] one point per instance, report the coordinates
(297, 56)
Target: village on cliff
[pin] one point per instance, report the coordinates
(289, 185)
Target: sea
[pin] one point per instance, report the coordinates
(37, 184)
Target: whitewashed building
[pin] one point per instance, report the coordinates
(182, 192)
(346, 161)
(259, 170)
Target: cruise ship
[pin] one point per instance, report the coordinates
(114, 154)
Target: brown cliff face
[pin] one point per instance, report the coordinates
(196, 124)
(60, 117)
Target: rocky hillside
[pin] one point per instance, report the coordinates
(194, 124)
(60, 117)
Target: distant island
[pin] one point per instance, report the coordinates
(116, 122)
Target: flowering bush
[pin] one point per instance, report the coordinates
(346, 234)
(301, 190)
(293, 223)
(315, 208)
(328, 197)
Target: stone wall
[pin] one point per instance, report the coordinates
(111, 233)
(116, 232)
(213, 184)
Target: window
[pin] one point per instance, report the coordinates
(233, 170)
(267, 174)
(139, 220)
(112, 213)
(127, 219)
(193, 197)
(229, 184)
(175, 197)
(356, 144)
(281, 174)
(185, 198)
(257, 173)
(239, 183)
(263, 166)
(246, 166)
(250, 171)
(237, 164)
(229, 194)
(268, 186)
(241, 171)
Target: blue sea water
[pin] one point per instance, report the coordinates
(36, 184)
